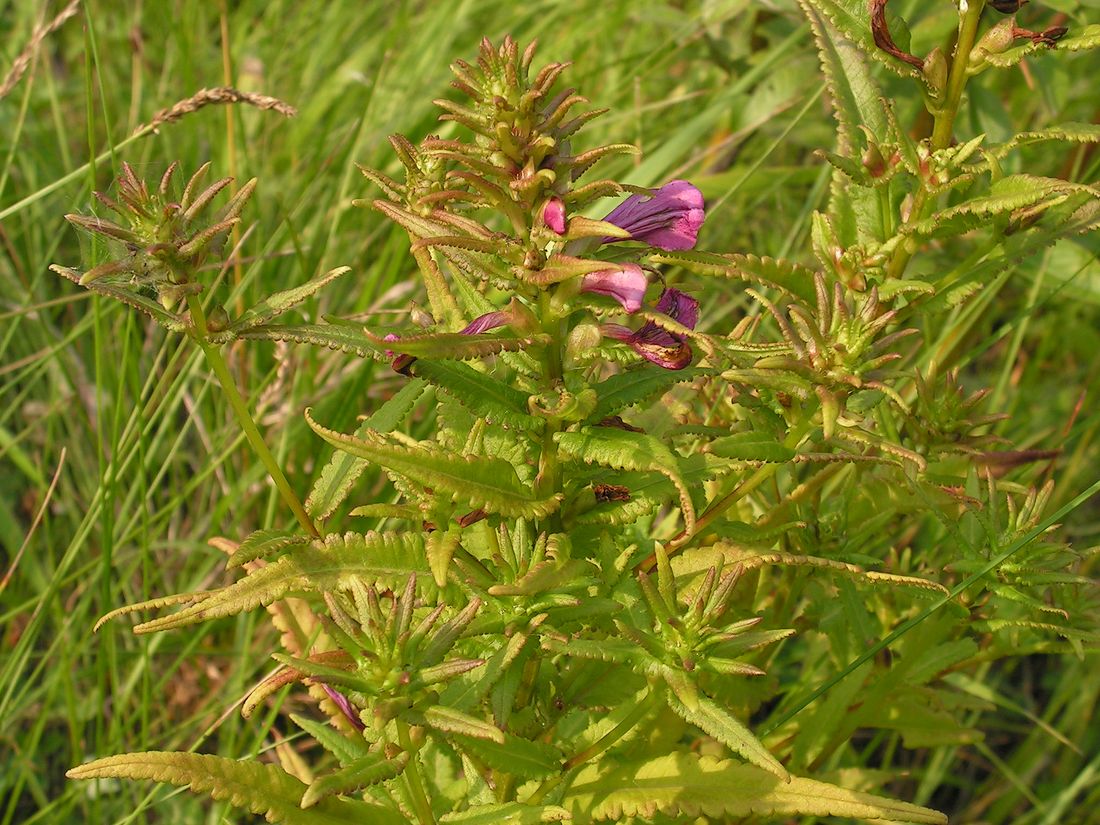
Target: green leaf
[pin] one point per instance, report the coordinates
(792, 278)
(853, 20)
(334, 336)
(254, 786)
(345, 748)
(517, 756)
(128, 295)
(263, 543)
(716, 721)
(456, 346)
(367, 770)
(751, 446)
(625, 389)
(280, 302)
(449, 720)
(625, 450)
(470, 688)
(484, 396)
(507, 813)
(342, 470)
(1087, 38)
(486, 483)
(690, 785)
(325, 565)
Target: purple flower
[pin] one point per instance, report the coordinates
(553, 215)
(655, 343)
(626, 285)
(669, 220)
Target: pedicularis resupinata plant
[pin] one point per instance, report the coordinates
(644, 567)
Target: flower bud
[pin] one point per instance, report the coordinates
(935, 71)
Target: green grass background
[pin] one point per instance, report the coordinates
(148, 464)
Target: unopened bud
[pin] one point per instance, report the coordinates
(935, 71)
(994, 41)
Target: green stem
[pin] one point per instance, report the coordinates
(244, 417)
(421, 806)
(624, 727)
(944, 128)
(549, 480)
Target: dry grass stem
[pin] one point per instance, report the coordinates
(217, 96)
(23, 61)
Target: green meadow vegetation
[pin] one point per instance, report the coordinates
(823, 554)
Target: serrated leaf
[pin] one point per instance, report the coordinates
(334, 336)
(625, 450)
(451, 721)
(129, 295)
(345, 748)
(469, 689)
(518, 756)
(457, 346)
(339, 475)
(1087, 38)
(324, 565)
(751, 446)
(792, 278)
(279, 302)
(484, 396)
(699, 560)
(263, 543)
(487, 483)
(367, 770)
(716, 721)
(852, 19)
(507, 813)
(686, 784)
(625, 389)
(1006, 195)
(254, 786)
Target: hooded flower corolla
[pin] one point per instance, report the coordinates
(655, 343)
(669, 220)
(626, 285)
(553, 215)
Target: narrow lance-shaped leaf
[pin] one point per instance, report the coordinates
(254, 786)
(279, 302)
(624, 450)
(488, 483)
(342, 470)
(690, 785)
(327, 564)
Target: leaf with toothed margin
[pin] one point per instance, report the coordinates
(263, 543)
(254, 786)
(853, 20)
(280, 302)
(506, 813)
(625, 450)
(715, 721)
(457, 346)
(367, 770)
(342, 470)
(630, 387)
(330, 564)
(128, 295)
(342, 337)
(487, 483)
(482, 394)
(686, 784)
